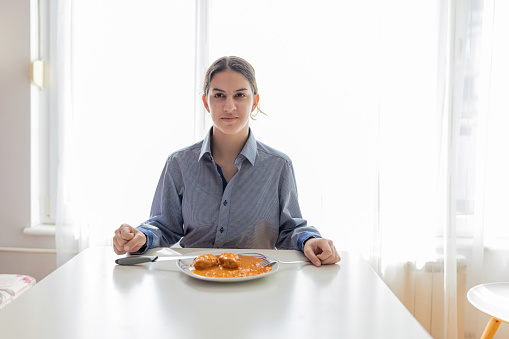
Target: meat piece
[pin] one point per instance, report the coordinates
(229, 260)
(204, 261)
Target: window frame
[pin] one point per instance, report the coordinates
(43, 146)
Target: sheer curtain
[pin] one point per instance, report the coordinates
(392, 112)
(68, 233)
(125, 102)
(488, 256)
(351, 97)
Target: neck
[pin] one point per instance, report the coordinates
(228, 146)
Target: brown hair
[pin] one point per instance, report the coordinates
(235, 64)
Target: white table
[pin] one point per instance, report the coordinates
(492, 299)
(92, 297)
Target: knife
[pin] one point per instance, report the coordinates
(143, 259)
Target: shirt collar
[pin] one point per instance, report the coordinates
(248, 151)
(205, 147)
(250, 148)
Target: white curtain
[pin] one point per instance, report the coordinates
(69, 240)
(392, 112)
(488, 257)
(125, 94)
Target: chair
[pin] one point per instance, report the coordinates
(492, 299)
(12, 286)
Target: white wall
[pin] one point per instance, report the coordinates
(15, 147)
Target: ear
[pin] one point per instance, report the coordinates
(204, 99)
(255, 102)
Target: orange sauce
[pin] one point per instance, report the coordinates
(248, 267)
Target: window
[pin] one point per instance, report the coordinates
(133, 94)
(335, 90)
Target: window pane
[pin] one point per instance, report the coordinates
(339, 82)
(133, 95)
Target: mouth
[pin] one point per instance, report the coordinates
(228, 119)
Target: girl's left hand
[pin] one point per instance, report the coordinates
(321, 252)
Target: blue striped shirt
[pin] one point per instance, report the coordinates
(258, 208)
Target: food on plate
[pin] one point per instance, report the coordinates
(228, 265)
(229, 260)
(205, 261)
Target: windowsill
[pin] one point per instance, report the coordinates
(43, 229)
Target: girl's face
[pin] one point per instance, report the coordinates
(230, 101)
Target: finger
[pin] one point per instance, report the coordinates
(118, 249)
(326, 250)
(127, 232)
(334, 258)
(131, 246)
(136, 243)
(329, 253)
(314, 259)
(119, 243)
(118, 246)
(118, 239)
(309, 252)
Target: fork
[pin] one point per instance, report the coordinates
(270, 261)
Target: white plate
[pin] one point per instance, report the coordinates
(183, 265)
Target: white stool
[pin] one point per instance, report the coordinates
(492, 299)
(12, 286)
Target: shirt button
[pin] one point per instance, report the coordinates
(221, 229)
(225, 203)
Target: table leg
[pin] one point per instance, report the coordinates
(491, 328)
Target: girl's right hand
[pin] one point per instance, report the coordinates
(128, 239)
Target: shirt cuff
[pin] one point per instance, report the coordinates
(304, 237)
(150, 240)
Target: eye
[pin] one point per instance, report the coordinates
(218, 95)
(240, 95)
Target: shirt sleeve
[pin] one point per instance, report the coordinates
(293, 229)
(164, 228)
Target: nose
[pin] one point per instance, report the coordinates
(229, 104)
